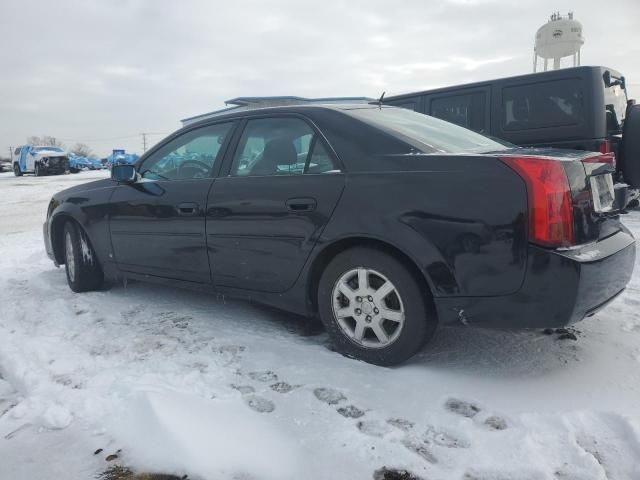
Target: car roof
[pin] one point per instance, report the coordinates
(283, 109)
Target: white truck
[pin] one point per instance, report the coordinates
(39, 160)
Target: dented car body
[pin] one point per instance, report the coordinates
(40, 160)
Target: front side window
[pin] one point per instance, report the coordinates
(191, 155)
(279, 146)
(466, 110)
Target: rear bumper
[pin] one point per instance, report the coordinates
(560, 287)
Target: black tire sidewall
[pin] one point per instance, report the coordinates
(87, 275)
(629, 161)
(419, 324)
(16, 170)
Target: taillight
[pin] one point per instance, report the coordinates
(550, 211)
(605, 147)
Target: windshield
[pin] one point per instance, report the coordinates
(425, 133)
(48, 149)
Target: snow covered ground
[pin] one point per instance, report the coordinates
(185, 383)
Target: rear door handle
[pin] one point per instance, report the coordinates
(303, 204)
(188, 209)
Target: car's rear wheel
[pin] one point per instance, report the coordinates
(629, 161)
(16, 170)
(81, 264)
(37, 170)
(373, 307)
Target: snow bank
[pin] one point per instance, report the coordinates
(186, 383)
(212, 438)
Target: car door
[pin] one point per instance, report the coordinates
(265, 214)
(157, 224)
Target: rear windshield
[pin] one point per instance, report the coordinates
(615, 103)
(426, 134)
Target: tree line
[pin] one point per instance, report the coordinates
(80, 149)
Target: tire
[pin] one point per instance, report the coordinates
(629, 161)
(81, 264)
(408, 303)
(37, 170)
(16, 170)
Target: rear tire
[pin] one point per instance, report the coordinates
(16, 170)
(81, 264)
(629, 161)
(385, 320)
(37, 170)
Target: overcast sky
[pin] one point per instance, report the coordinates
(102, 72)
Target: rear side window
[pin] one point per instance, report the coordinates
(410, 103)
(17, 151)
(407, 105)
(280, 146)
(541, 105)
(466, 110)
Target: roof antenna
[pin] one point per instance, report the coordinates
(380, 100)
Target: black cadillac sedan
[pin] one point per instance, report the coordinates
(382, 221)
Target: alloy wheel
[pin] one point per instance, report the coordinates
(368, 308)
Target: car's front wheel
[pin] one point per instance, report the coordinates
(81, 264)
(373, 307)
(16, 170)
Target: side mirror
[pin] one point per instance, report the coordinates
(124, 173)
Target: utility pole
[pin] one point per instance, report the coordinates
(11, 154)
(144, 142)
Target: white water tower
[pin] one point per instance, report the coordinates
(560, 37)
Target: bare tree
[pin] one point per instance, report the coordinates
(82, 150)
(44, 140)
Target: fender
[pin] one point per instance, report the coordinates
(88, 205)
(479, 249)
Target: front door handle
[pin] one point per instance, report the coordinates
(304, 204)
(188, 209)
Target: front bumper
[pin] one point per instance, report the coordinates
(560, 287)
(54, 165)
